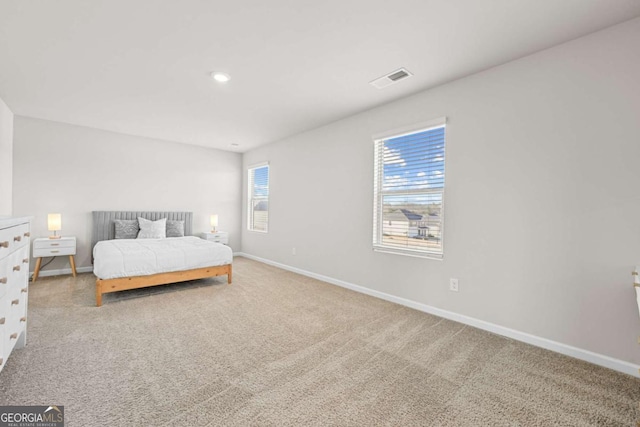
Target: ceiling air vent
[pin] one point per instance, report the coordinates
(391, 78)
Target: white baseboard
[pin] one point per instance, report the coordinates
(578, 353)
(61, 271)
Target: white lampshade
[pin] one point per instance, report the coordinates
(214, 222)
(54, 222)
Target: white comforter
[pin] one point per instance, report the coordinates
(142, 257)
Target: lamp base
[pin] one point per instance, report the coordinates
(54, 237)
(213, 230)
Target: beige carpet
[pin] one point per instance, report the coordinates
(279, 349)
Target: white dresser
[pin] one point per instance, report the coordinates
(14, 284)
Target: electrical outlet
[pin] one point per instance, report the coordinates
(453, 285)
(293, 251)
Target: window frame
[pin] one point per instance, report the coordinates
(251, 199)
(378, 193)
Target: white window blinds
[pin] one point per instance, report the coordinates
(258, 203)
(409, 190)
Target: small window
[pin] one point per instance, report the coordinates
(409, 191)
(258, 215)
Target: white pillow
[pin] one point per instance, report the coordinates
(152, 229)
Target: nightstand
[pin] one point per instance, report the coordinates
(218, 237)
(45, 247)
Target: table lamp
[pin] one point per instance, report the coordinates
(214, 222)
(54, 223)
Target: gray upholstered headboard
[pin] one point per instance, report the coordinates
(104, 227)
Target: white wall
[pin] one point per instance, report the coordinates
(542, 204)
(75, 170)
(6, 158)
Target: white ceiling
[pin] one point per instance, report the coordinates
(142, 66)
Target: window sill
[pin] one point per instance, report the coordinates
(257, 231)
(409, 253)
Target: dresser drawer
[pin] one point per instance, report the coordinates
(65, 242)
(18, 268)
(18, 302)
(40, 253)
(13, 312)
(16, 271)
(4, 275)
(13, 238)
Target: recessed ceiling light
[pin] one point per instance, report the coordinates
(220, 77)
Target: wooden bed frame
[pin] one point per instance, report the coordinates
(135, 282)
(103, 229)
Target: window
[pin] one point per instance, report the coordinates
(258, 215)
(409, 190)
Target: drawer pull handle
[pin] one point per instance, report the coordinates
(3, 280)
(54, 252)
(24, 290)
(15, 302)
(55, 244)
(27, 234)
(17, 238)
(2, 320)
(13, 336)
(16, 268)
(23, 319)
(4, 244)
(25, 261)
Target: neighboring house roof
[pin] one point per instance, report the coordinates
(403, 215)
(411, 216)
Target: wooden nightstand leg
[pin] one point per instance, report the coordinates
(73, 265)
(37, 270)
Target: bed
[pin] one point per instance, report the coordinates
(123, 264)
